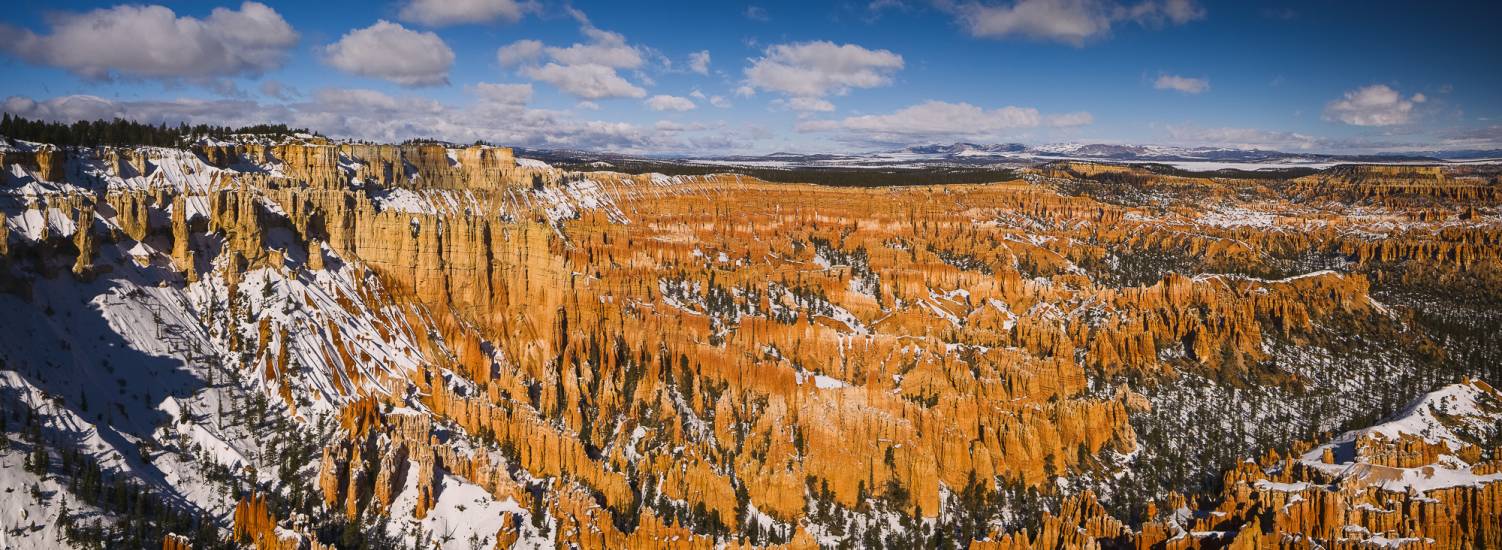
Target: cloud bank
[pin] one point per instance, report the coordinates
(392, 52)
(151, 41)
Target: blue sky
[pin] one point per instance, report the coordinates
(724, 77)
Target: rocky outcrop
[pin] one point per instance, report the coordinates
(1399, 186)
(174, 541)
(254, 524)
(1393, 491)
(83, 240)
(46, 162)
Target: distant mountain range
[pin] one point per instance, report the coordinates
(1169, 153)
(974, 155)
(1191, 158)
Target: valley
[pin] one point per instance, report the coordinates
(288, 341)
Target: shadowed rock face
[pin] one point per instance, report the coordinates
(1081, 357)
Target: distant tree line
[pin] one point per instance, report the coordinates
(121, 132)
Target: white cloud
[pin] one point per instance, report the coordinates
(587, 70)
(587, 81)
(519, 52)
(587, 106)
(745, 91)
(1181, 84)
(64, 108)
(717, 101)
(1375, 105)
(1068, 21)
(808, 104)
(392, 52)
(943, 120)
(153, 42)
(699, 62)
(510, 94)
(604, 48)
(813, 69)
(670, 103)
(757, 13)
(438, 13)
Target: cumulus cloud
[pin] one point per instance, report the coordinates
(815, 69)
(699, 62)
(1182, 84)
(392, 52)
(670, 103)
(587, 70)
(519, 52)
(1375, 105)
(588, 81)
(604, 48)
(1068, 21)
(151, 41)
(717, 101)
(943, 120)
(510, 94)
(438, 13)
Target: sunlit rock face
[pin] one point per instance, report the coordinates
(318, 344)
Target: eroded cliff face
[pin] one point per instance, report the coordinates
(603, 360)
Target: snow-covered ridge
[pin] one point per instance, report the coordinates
(1455, 416)
(1451, 415)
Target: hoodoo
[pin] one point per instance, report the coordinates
(506, 274)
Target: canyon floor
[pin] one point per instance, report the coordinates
(304, 343)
